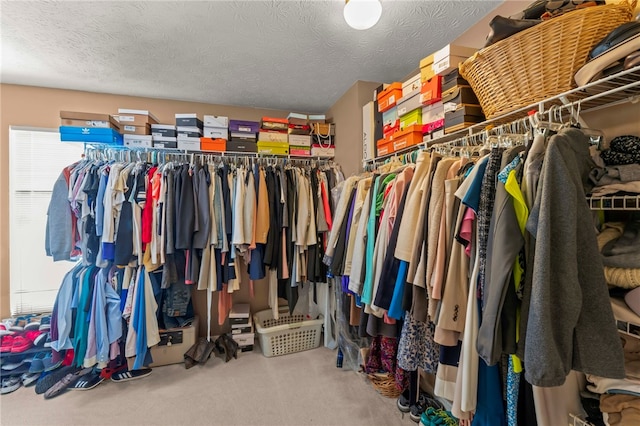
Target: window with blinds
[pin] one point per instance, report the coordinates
(36, 159)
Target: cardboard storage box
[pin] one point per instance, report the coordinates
(216, 132)
(390, 121)
(410, 136)
(242, 146)
(90, 134)
(411, 86)
(460, 96)
(209, 144)
(368, 131)
(270, 123)
(243, 126)
(189, 120)
(273, 137)
(216, 121)
(426, 68)
(135, 130)
(273, 148)
(384, 147)
(138, 141)
(462, 118)
(431, 91)
(389, 96)
(297, 118)
(433, 126)
(135, 117)
(166, 130)
(87, 119)
(317, 118)
(186, 143)
(323, 129)
(318, 150)
(299, 129)
(453, 50)
(300, 140)
(432, 112)
(160, 142)
(300, 151)
(406, 105)
(452, 80)
(410, 119)
(181, 340)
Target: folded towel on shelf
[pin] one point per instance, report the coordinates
(620, 277)
(621, 409)
(624, 251)
(602, 385)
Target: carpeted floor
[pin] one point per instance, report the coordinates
(303, 388)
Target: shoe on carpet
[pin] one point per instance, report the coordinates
(29, 379)
(125, 376)
(437, 417)
(88, 381)
(10, 384)
(51, 378)
(403, 402)
(424, 402)
(106, 373)
(64, 383)
(20, 344)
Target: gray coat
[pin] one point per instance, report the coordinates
(59, 233)
(570, 323)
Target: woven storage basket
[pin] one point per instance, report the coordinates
(287, 334)
(385, 384)
(539, 62)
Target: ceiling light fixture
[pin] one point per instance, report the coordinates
(362, 14)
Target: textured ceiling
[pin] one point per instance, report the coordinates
(291, 55)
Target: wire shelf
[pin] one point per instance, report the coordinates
(612, 90)
(614, 202)
(574, 420)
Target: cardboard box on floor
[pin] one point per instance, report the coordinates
(165, 354)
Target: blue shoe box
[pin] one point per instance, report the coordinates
(90, 134)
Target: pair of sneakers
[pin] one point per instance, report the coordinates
(416, 409)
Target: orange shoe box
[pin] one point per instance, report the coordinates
(208, 144)
(410, 136)
(384, 147)
(389, 96)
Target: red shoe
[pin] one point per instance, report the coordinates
(7, 344)
(37, 337)
(20, 344)
(68, 357)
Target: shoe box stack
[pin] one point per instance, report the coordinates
(89, 127)
(135, 126)
(401, 128)
(164, 136)
(299, 136)
(461, 106)
(243, 136)
(323, 136)
(441, 85)
(242, 326)
(273, 138)
(25, 351)
(189, 129)
(216, 133)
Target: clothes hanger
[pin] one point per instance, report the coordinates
(596, 137)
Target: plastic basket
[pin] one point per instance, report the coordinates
(288, 334)
(539, 62)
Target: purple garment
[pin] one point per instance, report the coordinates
(345, 279)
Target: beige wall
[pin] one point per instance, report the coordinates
(347, 116)
(40, 107)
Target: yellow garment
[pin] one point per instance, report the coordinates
(522, 214)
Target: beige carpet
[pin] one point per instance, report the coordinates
(303, 388)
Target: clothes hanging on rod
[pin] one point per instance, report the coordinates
(187, 221)
(473, 260)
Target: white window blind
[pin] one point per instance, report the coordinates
(36, 159)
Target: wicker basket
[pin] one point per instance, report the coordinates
(385, 384)
(539, 62)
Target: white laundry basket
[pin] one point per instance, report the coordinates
(287, 334)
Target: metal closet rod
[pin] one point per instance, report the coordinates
(123, 153)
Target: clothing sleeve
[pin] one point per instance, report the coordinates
(59, 230)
